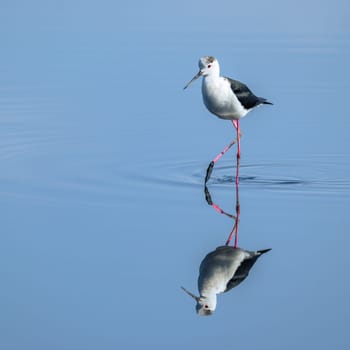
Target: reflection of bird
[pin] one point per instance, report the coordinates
(220, 271)
(226, 98)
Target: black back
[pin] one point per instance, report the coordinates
(245, 96)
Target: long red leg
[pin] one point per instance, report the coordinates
(237, 126)
(212, 163)
(238, 140)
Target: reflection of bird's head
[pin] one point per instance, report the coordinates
(205, 305)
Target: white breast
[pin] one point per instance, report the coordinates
(220, 99)
(217, 269)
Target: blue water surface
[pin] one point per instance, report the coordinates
(103, 157)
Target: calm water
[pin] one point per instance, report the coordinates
(103, 157)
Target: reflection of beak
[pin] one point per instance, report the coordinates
(193, 79)
(189, 293)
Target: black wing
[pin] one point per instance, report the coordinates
(245, 96)
(242, 273)
(243, 270)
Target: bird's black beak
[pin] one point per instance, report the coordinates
(193, 79)
(190, 294)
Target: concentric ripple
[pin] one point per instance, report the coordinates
(101, 180)
(316, 174)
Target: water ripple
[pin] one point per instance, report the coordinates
(317, 174)
(97, 180)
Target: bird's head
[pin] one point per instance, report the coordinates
(205, 305)
(208, 66)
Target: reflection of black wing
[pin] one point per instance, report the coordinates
(245, 96)
(242, 273)
(243, 270)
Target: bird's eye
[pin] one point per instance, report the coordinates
(206, 306)
(209, 65)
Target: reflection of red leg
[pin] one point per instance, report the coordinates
(215, 206)
(236, 237)
(233, 232)
(238, 211)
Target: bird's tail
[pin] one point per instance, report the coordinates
(265, 101)
(263, 251)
